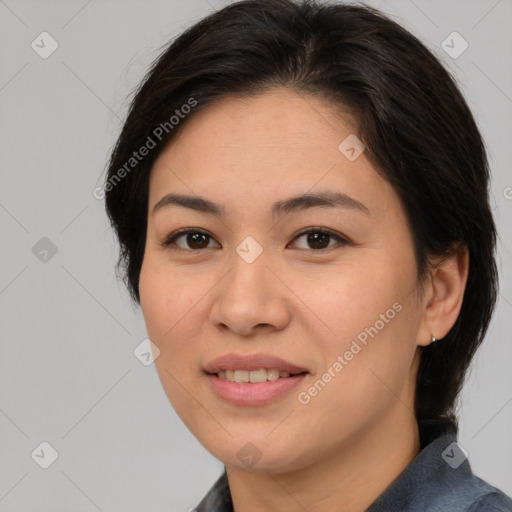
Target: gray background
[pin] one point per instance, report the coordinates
(68, 330)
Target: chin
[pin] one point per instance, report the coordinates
(248, 453)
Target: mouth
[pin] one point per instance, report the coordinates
(252, 368)
(252, 380)
(254, 376)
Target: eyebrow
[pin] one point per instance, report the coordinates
(279, 208)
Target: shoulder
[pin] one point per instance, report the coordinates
(440, 478)
(464, 491)
(454, 480)
(493, 502)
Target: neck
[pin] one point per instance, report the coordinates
(350, 479)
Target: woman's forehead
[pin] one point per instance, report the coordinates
(288, 141)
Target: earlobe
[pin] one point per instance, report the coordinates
(443, 303)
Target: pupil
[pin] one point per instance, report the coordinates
(313, 238)
(195, 238)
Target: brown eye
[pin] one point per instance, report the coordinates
(318, 239)
(193, 239)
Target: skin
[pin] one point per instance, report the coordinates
(342, 449)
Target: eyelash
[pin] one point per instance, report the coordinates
(169, 241)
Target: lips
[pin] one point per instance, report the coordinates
(252, 380)
(252, 362)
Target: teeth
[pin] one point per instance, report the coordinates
(272, 374)
(241, 376)
(260, 375)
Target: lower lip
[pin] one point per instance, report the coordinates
(249, 393)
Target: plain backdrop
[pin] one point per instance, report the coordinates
(68, 373)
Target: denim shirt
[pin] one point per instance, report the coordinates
(439, 479)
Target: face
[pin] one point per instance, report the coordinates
(329, 289)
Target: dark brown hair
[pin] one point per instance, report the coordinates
(418, 130)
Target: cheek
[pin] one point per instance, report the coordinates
(169, 303)
(368, 314)
(167, 297)
(349, 298)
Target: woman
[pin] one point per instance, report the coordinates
(300, 196)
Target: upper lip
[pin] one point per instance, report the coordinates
(251, 362)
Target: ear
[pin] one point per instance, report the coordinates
(443, 294)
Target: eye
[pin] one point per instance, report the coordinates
(194, 239)
(318, 239)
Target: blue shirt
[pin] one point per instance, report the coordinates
(439, 479)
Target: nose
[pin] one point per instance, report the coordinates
(252, 297)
